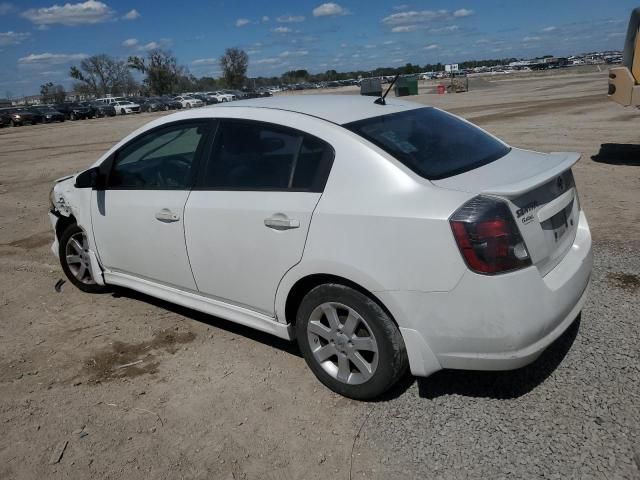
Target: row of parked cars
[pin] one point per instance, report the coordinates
(112, 106)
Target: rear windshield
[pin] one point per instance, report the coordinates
(432, 143)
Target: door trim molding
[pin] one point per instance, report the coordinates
(233, 313)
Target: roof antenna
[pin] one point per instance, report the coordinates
(380, 101)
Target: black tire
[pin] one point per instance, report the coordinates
(66, 236)
(14, 123)
(123, 111)
(392, 361)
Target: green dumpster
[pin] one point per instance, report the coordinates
(406, 86)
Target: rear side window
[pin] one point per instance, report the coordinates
(432, 143)
(250, 155)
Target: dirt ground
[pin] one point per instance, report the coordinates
(206, 398)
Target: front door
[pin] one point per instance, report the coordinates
(247, 219)
(137, 220)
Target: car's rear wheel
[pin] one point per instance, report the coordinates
(349, 342)
(75, 261)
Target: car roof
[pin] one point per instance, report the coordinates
(338, 109)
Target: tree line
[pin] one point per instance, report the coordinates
(162, 74)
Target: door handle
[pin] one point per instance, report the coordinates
(278, 222)
(167, 216)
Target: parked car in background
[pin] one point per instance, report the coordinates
(221, 96)
(189, 102)
(171, 103)
(103, 109)
(126, 107)
(153, 104)
(21, 116)
(5, 119)
(110, 100)
(381, 237)
(93, 113)
(48, 113)
(206, 99)
(73, 111)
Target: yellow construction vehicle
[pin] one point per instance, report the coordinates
(624, 81)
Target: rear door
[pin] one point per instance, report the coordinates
(246, 221)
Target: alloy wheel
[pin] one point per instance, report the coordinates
(77, 258)
(342, 343)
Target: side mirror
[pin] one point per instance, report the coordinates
(88, 179)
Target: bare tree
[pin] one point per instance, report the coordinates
(101, 74)
(50, 93)
(163, 74)
(234, 64)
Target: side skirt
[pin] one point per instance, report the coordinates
(233, 313)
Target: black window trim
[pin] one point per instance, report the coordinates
(106, 167)
(321, 178)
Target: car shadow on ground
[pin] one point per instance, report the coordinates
(618, 154)
(226, 325)
(500, 385)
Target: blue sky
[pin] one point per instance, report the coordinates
(39, 40)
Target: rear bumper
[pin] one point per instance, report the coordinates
(501, 322)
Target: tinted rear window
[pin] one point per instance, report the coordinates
(432, 143)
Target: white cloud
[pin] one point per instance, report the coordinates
(329, 10)
(51, 58)
(296, 53)
(389, 42)
(268, 61)
(265, 18)
(131, 15)
(253, 51)
(70, 14)
(290, 19)
(13, 38)
(405, 28)
(6, 8)
(463, 12)
(130, 42)
(447, 29)
(205, 61)
(281, 30)
(414, 17)
(433, 46)
(149, 46)
(241, 22)
(549, 29)
(404, 6)
(531, 39)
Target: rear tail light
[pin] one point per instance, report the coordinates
(488, 237)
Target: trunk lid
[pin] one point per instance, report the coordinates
(541, 194)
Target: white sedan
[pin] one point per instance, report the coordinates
(125, 107)
(381, 237)
(222, 97)
(189, 102)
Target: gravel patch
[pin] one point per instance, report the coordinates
(574, 413)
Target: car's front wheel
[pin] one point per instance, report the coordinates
(75, 261)
(349, 342)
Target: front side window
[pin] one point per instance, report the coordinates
(259, 156)
(162, 159)
(432, 143)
